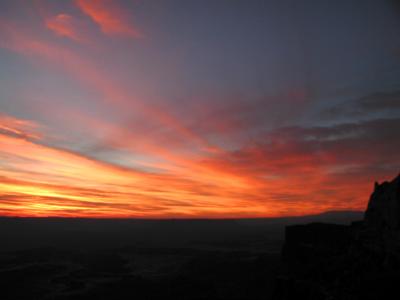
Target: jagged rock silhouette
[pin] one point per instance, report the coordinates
(383, 211)
(359, 261)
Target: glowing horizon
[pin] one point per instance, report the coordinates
(119, 109)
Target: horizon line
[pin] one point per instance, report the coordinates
(175, 219)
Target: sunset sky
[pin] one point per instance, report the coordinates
(209, 109)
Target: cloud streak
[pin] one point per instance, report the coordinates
(109, 16)
(65, 25)
(19, 128)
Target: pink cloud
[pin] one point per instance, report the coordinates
(65, 25)
(109, 16)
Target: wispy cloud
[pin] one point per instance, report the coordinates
(111, 18)
(368, 106)
(19, 128)
(66, 25)
(84, 69)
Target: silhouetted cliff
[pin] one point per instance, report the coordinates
(360, 261)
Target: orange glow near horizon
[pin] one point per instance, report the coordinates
(43, 181)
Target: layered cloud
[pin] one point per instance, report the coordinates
(42, 180)
(290, 171)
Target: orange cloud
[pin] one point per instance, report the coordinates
(286, 176)
(41, 180)
(110, 17)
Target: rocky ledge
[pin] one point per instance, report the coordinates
(358, 261)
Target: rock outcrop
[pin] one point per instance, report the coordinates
(383, 212)
(358, 261)
(382, 221)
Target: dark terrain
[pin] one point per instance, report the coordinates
(55, 258)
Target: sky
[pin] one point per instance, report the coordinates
(196, 109)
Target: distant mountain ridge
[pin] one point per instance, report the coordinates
(19, 233)
(340, 214)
